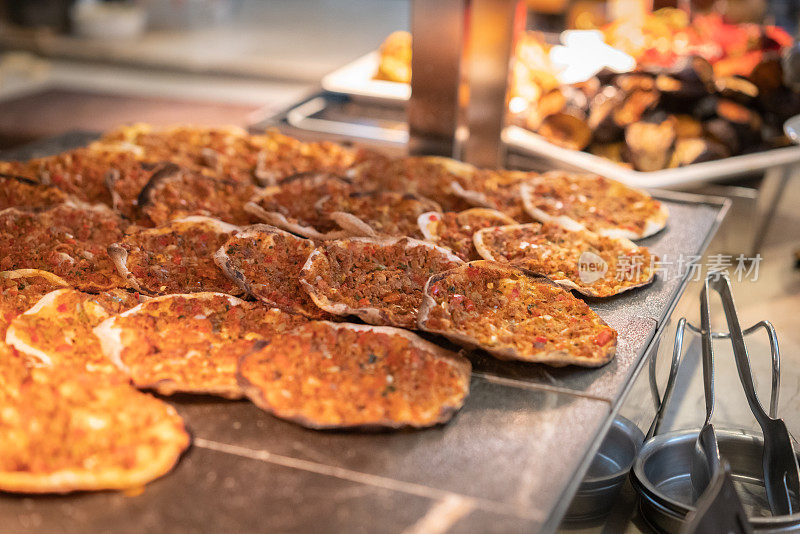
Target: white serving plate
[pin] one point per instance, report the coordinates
(533, 144)
(355, 79)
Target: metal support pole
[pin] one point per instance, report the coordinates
(493, 28)
(437, 27)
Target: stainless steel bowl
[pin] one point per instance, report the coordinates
(606, 475)
(661, 475)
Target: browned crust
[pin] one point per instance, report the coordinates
(367, 314)
(28, 273)
(554, 358)
(280, 221)
(487, 254)
(462, 366)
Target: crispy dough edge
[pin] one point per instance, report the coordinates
(374, 316)
(280, 221)
(462, 366)
(28, 273)
(426, 225)
(553, 358)
(16, 340)
(174, 440)
(486, 253)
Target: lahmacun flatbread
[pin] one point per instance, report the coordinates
(337, 375)
(68, 240)
(265, 262)
(378, 213)
(498, 190)
(515, 314)
(178, 194)
(379, 280)
(455, 230)
(190, 343)
(81, 173)
(68, 432)
(230, 153)
(24, 193)
(57, 330)
(292, 204)
(603, 206)
(428, 176)
(21, 289)
(591, 264)
(175, 258)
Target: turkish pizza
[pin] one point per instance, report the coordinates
(177, 194)
(175, 258)
(82, 173)
(379, 213)
(57, 330)
(265, 263)
(190, 343)
(515, 314)
(603, 206)
(24, 193)
(379, 280)
(65, 432)
(340, 375)
(455, 230)
(68, 240)
(592, 264)
(428, 176)
(292, 205)
(231, 153)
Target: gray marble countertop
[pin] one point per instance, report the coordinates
(508, 462)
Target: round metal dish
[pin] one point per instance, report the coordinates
(661, 477)
(606, 475)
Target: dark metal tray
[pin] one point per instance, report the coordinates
(510, 461)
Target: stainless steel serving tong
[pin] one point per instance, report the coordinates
(781, 474)
(705, 458)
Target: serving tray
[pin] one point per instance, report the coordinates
(510, 460)
(527, 142)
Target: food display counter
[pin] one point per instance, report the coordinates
(511, 460)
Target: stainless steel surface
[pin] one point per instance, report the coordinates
(705, 461)
(608, 471)
(719, 510)
(510, 461)
(493, 29)
(661, 475)
(433, 110)
(781, 473)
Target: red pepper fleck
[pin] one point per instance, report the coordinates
(603, 337)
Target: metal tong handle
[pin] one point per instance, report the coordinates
(774, 351)
(677, 358)
(781, 473)
(706, 460)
